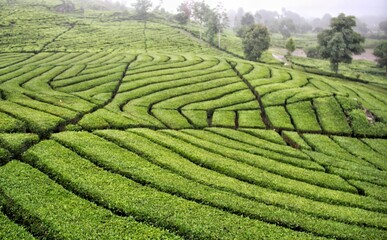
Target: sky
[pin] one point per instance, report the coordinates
(307, 8)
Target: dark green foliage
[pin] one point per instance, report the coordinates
(142, 7)
(246, 22)
(5, 156)
(340, 41)
(181, 18)
(290, 46)
(381, 52)
(312, 52)
(255, 41)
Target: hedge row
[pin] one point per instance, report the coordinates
(50, 211)
(201, 157)
(187, 218)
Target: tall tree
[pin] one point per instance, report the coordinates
(186, 8)
(246, 21)
(286, 27)
(340, 41)
(200, 14)
(255, 41)
(216, 22)
(142, 7)
(381, 52)
(290, 46)
(184, 12)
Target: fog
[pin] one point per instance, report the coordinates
(306, 8)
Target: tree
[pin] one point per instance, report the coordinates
(200, 14)
(181, 18)
(286, 27)
(381, 52)
(246, 21)
(186, 9)
(184, 12)
(216, 22)
(255, 41)
(383, 26)
(142, 7)
(340, 41)
(290, 46)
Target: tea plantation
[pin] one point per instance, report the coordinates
(116, 128)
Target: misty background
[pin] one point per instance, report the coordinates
(316, 13)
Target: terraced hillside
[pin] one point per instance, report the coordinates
(122, 129)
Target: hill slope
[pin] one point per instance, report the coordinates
(117, 128)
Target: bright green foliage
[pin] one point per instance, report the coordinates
(363, 127)
(171, 118)
(266, 139)
(303, 116)
(260, 174)
(279, 118)
(53, 212)
(234, 149)
(331, 116)
(189, 189)
(340, 41)
(187, 218)
(197, 117)
(255, 40)
(10, 230)
(250, 119)
(381, 52)
(268, 135)
(223, 119)
(361, 150)
(349, 170)
(17, 143)
(371, 190)
(379, 145)
(295, 140)
(326, 145)
(10, 124)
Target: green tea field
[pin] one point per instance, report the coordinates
(117, 128)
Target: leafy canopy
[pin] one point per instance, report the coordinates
(381, 52)
(290, 46)
(255, 41)
(142, 7)
(340, 41)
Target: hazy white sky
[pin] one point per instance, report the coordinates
(309, 8)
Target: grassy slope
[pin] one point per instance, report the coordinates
(228, 174)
